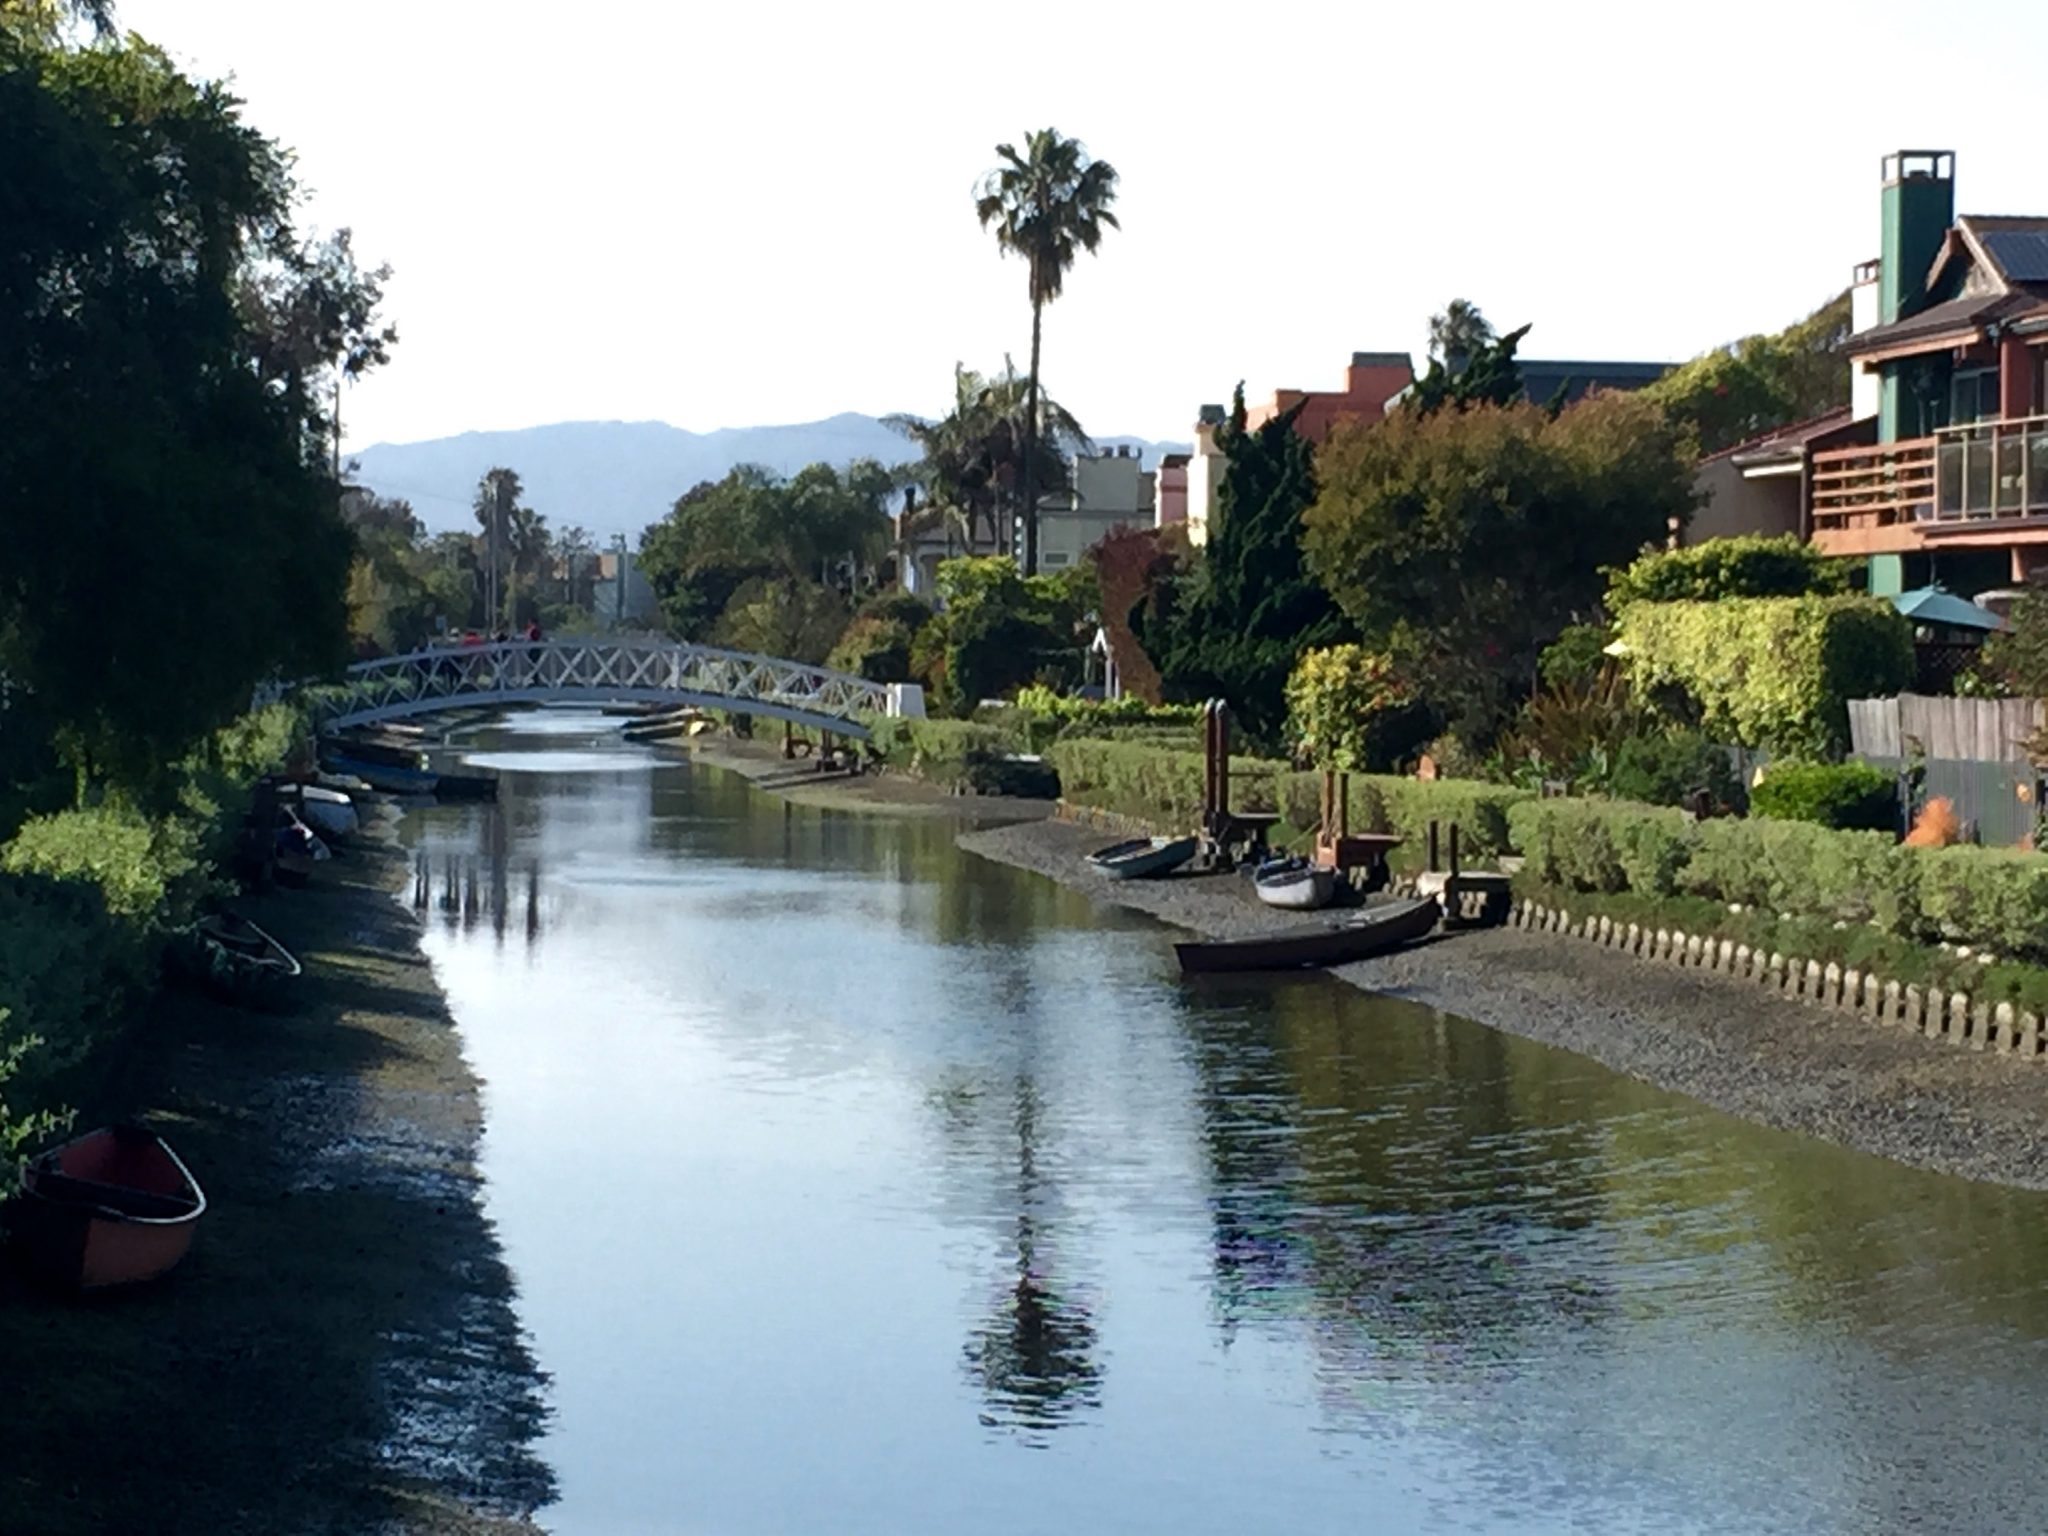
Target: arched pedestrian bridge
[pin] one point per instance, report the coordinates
(608, 672)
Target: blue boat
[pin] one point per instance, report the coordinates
(1143, 858)
(389, 777)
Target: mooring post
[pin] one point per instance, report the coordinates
(1432, 847)
(1454, 850)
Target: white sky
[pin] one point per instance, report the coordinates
(736, 214)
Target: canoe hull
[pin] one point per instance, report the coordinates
(327, 811)
(115, 1207)
(1333, 941)
(1143, 858)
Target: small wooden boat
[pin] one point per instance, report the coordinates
(665, 727)
(1143, 858)
(1330, 941)
(236, 960)
(391, 780)
(327, 811)
(1295, 886)
(392, 752)
(113, 1207)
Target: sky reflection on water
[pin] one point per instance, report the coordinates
(854, 1184)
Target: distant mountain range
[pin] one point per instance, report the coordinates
(618, 476)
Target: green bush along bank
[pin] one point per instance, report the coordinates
(1164, 787)
(88, 898)
(1985, 899)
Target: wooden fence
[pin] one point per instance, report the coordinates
(1956, 730)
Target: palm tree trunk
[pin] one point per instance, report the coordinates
(1031, 451)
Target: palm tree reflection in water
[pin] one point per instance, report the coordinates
(1035, 1356)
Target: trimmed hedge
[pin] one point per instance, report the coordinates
(961, 755)
(1830, 794)
(1165, 787)
(1979, 897)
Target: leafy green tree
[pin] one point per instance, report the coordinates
(1463, 541)
(1759, 383)
(1047, 205)
(783, 616)
(1234, 622)
(824, 527)
(170, 519)
(998, 630)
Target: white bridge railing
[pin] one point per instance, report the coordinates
(603, 671)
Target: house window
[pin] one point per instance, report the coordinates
(1052, 557)
(1973, 396)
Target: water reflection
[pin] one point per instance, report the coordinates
(1034, 1357)
(855, 1184)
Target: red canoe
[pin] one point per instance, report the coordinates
(113, 1207)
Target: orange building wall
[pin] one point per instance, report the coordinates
(1367, 389)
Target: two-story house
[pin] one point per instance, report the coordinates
(1950, 372)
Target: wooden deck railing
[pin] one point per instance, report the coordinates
(1952, 482)
(1872, 487)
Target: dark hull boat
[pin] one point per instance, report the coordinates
(390, 779)
(233, 958)
(114, 1207)
(1143, 858)
(1332, 941)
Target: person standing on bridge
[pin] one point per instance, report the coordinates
(533, 629)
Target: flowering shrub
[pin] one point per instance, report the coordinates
(1336, 699)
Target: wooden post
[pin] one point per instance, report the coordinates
(1432, 847)
(1454, 850)
(788, 741)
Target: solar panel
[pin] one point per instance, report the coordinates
(2023, 253)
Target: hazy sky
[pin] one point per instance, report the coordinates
(734, 214)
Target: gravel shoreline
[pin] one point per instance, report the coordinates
(1780, 1063)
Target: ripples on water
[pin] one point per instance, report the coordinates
(854, 1184)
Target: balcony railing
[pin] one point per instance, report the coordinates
(1952, 482)
(1873, 487)
(1992, 470)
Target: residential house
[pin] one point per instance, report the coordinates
(1950, 361)
(1110, 490)
(1371, 380)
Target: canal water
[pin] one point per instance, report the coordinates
(853, 1184)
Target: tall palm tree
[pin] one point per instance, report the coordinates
(1458, 334)
(1047, 205)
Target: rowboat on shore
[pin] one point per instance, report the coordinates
(1143, 858)
(1295, 885)
(113, 1207)
(1329, 941)
(236, 960)
(392, 752)
(664, 727)
(328, 812)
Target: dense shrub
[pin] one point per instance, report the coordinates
(1985, 896)
(1594, 845)
(1841, 795)
(1772, 672)
(1749, 566)
(958, 754)
(1338, 699)
(1664, 767)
